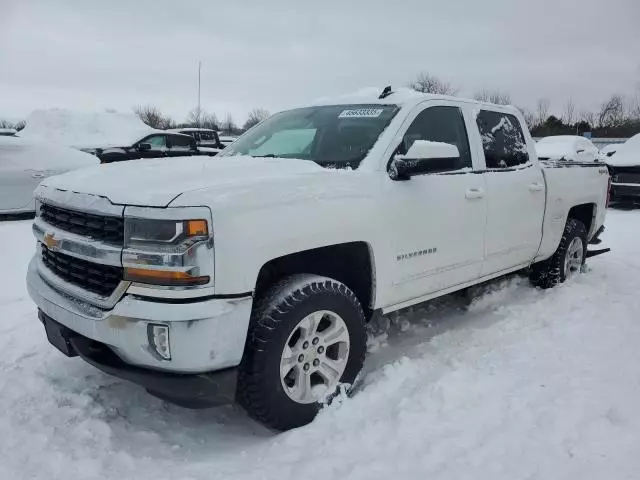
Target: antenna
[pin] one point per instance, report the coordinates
(386, 92)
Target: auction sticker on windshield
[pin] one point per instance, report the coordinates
(361, 113)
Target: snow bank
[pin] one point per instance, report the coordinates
(522, 384)
(21, 153)
(84, 130)
(627, 154)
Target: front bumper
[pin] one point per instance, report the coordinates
(204, 334)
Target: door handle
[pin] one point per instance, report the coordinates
(536, 187)
(474, 193)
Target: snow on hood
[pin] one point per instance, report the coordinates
(22, 153)
(627, 154)
(84, 130)
(156, 182)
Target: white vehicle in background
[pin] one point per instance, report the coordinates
(624, 167)
(609, 150)
(256, 274)
(25, 163)
(571, 148)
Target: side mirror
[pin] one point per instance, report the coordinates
(424, 157)
(143, 147)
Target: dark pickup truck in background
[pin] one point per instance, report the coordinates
(152, 145)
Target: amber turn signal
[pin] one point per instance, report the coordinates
(163, 277)
(197, 228)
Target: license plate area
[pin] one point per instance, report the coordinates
(58, 335)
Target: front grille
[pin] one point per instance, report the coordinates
(99, 227)
(94, 277)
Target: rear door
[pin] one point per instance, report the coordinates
(437, 218)
(181, 146)
(515, 193)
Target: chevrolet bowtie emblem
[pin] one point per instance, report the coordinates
(50, 242)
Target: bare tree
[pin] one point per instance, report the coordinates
(228, 125)
(152, 116)
(569, 112)
(588, 117)
(194, 117)
(611, 112)
(427, 83)
(255, 116)
(493, 96)
(529, 117)
(209, 120)
(542, 111)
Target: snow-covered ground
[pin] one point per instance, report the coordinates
(524, 384)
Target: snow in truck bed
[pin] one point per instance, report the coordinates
(525, 384)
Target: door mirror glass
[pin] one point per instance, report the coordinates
(143, 147)
(424, 157)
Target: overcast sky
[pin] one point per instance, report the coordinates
(96, 54)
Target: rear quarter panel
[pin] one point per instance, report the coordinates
(570, 184)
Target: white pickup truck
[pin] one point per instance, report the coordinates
(256, 272)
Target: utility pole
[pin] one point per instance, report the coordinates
(199, 111)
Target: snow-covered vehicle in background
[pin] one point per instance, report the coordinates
(608, 151)
(624, 167)
(227, 140)
(571, 148)
(255, 275)
(25, 163)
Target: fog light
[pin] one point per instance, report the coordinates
(159, 340)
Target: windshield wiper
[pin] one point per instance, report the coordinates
(268, 155)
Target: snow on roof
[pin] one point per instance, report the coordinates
(190, 129)
(627, 154)
(84, 130)
(22, 152)
(557, 146)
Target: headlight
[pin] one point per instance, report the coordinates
(165, 234)
(167, 253)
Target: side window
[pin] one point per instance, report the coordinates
(502, 140)
(192, 134)
(440, 124)
(156, 141)
(181, 142)
(206, 136)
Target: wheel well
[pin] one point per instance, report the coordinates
(349, 263)
(585, 213)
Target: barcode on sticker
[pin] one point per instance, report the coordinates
(361, 113)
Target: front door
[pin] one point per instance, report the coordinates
(158, 147)
(438, 219)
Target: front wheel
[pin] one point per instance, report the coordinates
(306, 338)
(567, 260)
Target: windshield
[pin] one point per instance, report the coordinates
(337, 136)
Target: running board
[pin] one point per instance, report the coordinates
(593, 253)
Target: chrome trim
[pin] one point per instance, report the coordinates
(145, 290)
(76, 245)
(61, 285)
(637, 185)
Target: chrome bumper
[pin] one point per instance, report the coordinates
(205, 335)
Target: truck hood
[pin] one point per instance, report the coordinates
(157, 182)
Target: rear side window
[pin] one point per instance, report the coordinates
(207, 136)
(502, 140)
(440, 124)
(191, 134)
(181, 142)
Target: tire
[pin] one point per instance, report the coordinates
(281, 322)
(551, 272)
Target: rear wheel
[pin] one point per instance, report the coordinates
(567, 260)
(306, 337)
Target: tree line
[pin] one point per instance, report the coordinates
(617, 116)
(153, 117)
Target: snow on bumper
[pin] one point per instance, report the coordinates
(204, 336)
